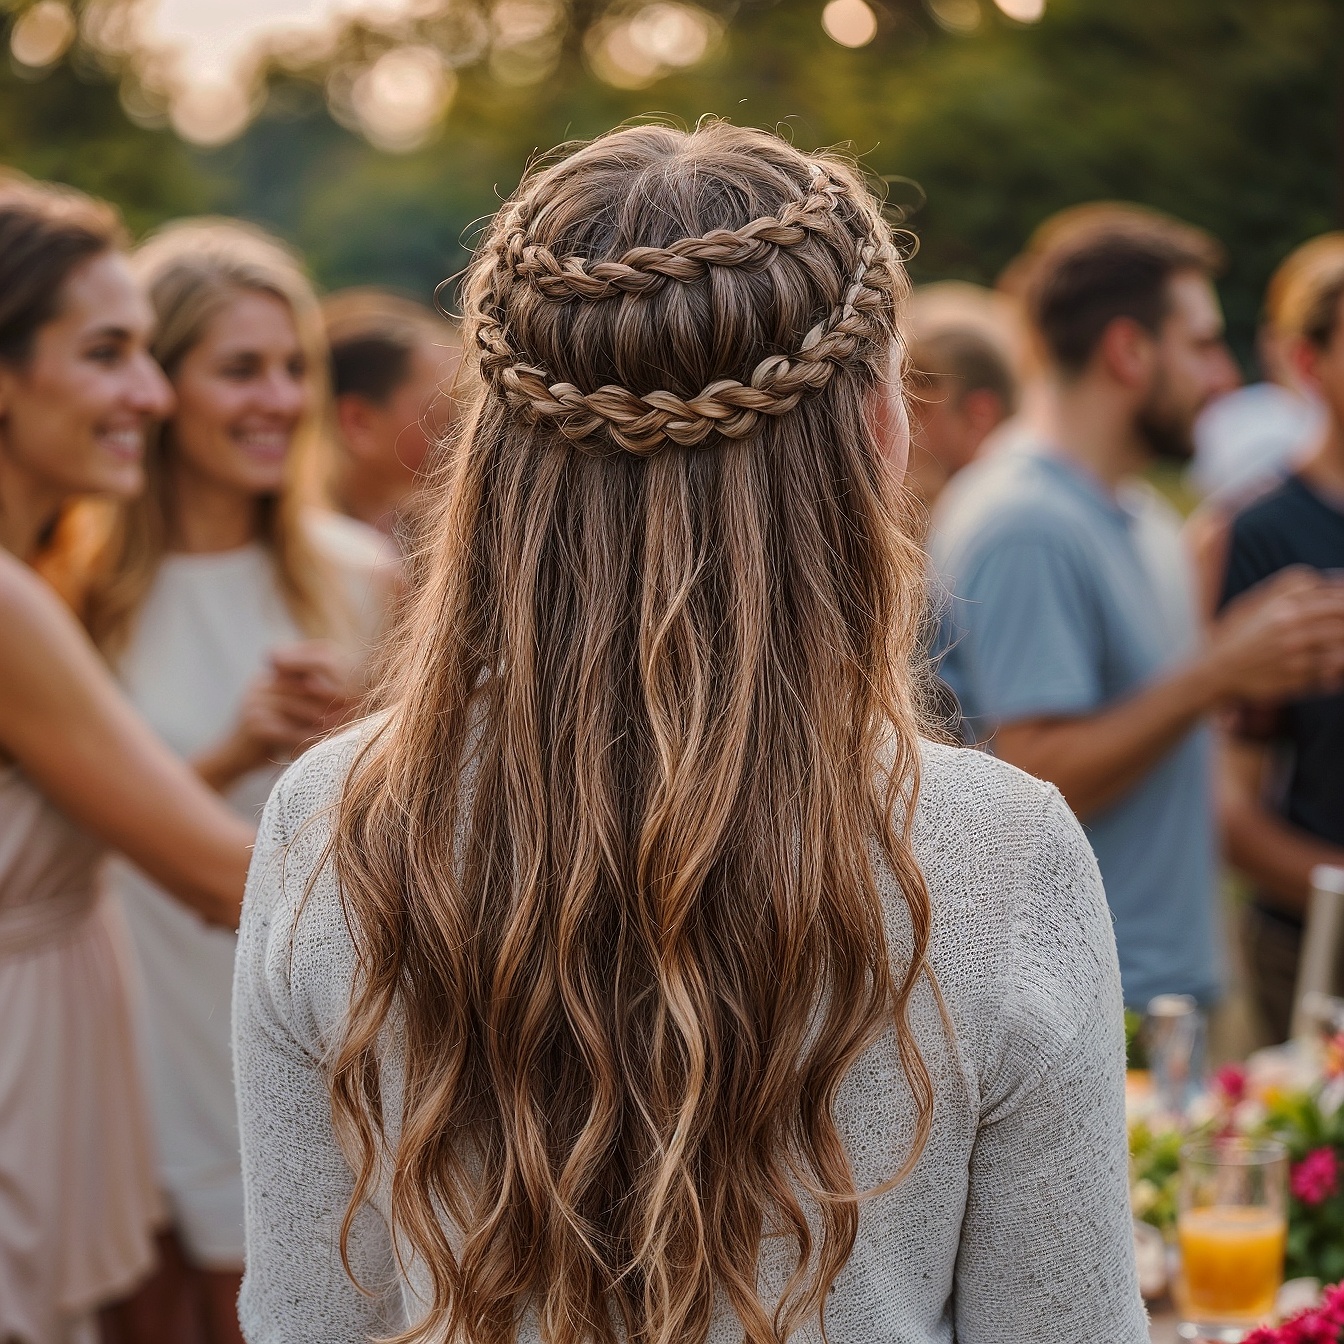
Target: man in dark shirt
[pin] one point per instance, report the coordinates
(1284, 781)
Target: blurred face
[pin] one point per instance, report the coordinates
(76, 413)
(1323, 370)
(950, 425)
(1191, 366)
(242, 393)
(398, 435)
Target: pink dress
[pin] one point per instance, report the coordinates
(78, 1198)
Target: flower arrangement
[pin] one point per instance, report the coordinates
(1154, 1150)
(1311, 1126)
(1323, 1324)
(1279, 1096)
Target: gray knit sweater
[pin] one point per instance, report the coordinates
(1014, 1225)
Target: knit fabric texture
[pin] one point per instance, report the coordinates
(1012, 1228)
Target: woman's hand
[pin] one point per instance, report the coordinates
(309, 689)
(320, 677)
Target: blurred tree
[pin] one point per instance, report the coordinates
(1225, 112)
(67, 123)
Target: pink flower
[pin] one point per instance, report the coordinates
(1316, 1177)
(1322, 1325)
(1231, 1081)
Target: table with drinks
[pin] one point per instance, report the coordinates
(1231, 1212)
(1237, 1175)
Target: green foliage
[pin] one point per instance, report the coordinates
(1135, 1055)
(68, 125)
(1315, 1231)
(1154, 1157)
(1224, 112)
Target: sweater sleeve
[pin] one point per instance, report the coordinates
(1047, 1251)
(296, 1182)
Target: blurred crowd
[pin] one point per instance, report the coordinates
(217, 473)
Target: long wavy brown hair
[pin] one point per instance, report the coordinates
(608, 857)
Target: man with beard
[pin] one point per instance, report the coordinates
(1062, 644)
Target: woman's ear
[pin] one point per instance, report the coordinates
(890, 418)
(1303, 358)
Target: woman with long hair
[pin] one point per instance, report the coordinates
(234, 611)
(638, 971)
(79, 771)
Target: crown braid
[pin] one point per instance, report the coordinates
(645, 423)
(643, 270)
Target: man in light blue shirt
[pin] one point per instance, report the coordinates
(1061, 642)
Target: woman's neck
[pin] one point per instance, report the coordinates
(365, 494)
(28, 506)
(1324, 468)
(208, 516)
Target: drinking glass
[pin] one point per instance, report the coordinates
(1232, 1227)
(1173, 1035)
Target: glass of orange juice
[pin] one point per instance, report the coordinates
(1231, 1227)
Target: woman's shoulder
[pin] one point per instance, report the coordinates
(348, 544)
(1021, 929)
(295, 953)
(994, 841)
(307, 793)
(25, 597)
(44, 644)
(365, 564)
(974, 807)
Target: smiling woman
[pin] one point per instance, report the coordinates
(235, 612)
(79, 394)
(78, 770)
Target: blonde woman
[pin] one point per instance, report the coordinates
(234, 612)
(79, 771)
(659, 982)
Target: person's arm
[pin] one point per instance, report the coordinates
(310, 689)
(1275, 854)
(296, 1181)
(67, 725)
(1047, 1246)
(1284, 638)
(1207, 535)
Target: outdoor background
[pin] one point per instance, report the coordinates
(376, 137)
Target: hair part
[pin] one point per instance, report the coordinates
(608, 856)
(1089, 266)
(192, 271)
(46, 233)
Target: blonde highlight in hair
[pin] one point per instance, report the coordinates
(192, 271)
(608, 857)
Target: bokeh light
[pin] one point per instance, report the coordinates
(636, 50)
(525, 46)
(851, 23)
(42, 34)
(401, 98)
(211, 112)
(1024, 11)
(201, 65)
(957, 16)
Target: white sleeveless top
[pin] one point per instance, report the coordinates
(204, 633)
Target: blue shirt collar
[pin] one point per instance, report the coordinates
(1081, 482)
